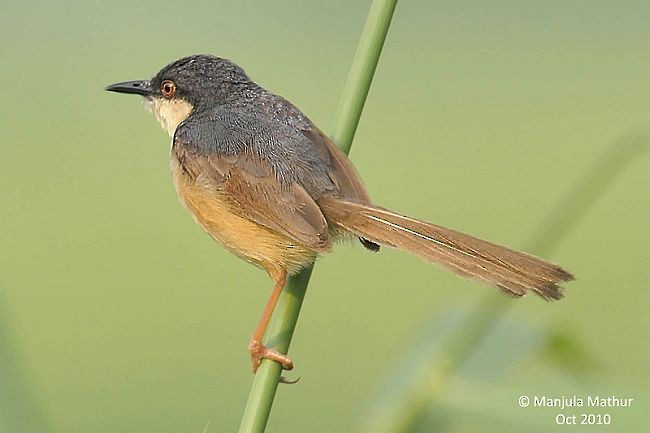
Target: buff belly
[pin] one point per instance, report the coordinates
(253, 242)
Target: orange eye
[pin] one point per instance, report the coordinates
(168, 88)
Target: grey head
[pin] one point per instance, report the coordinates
(186, 85)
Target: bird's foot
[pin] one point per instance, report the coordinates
(259, 351)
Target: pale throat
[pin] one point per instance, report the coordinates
(169, 112)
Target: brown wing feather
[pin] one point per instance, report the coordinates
(254, 192)
(342, 173)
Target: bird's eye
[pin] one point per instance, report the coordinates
(168, 88)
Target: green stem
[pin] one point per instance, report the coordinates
(361, 73)
(354, 95)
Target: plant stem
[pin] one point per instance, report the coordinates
(354, 95)
(361, 73)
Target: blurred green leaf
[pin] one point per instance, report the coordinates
(564, 349)
(477, 346)
(20, 411)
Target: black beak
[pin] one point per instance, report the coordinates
(140, 87)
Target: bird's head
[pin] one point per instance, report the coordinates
(186, 85)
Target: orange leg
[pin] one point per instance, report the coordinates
(257, 350)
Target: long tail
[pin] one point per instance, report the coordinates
(512, 271)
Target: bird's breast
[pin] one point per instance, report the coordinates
(249, 240)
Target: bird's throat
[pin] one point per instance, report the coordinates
(169, 112)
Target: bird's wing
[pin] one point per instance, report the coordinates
(341, 170)
(342, 173)
(234, 158)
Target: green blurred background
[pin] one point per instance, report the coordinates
(117, 314)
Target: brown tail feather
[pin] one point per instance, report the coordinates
(512, 271)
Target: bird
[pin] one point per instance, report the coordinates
(265, 182)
